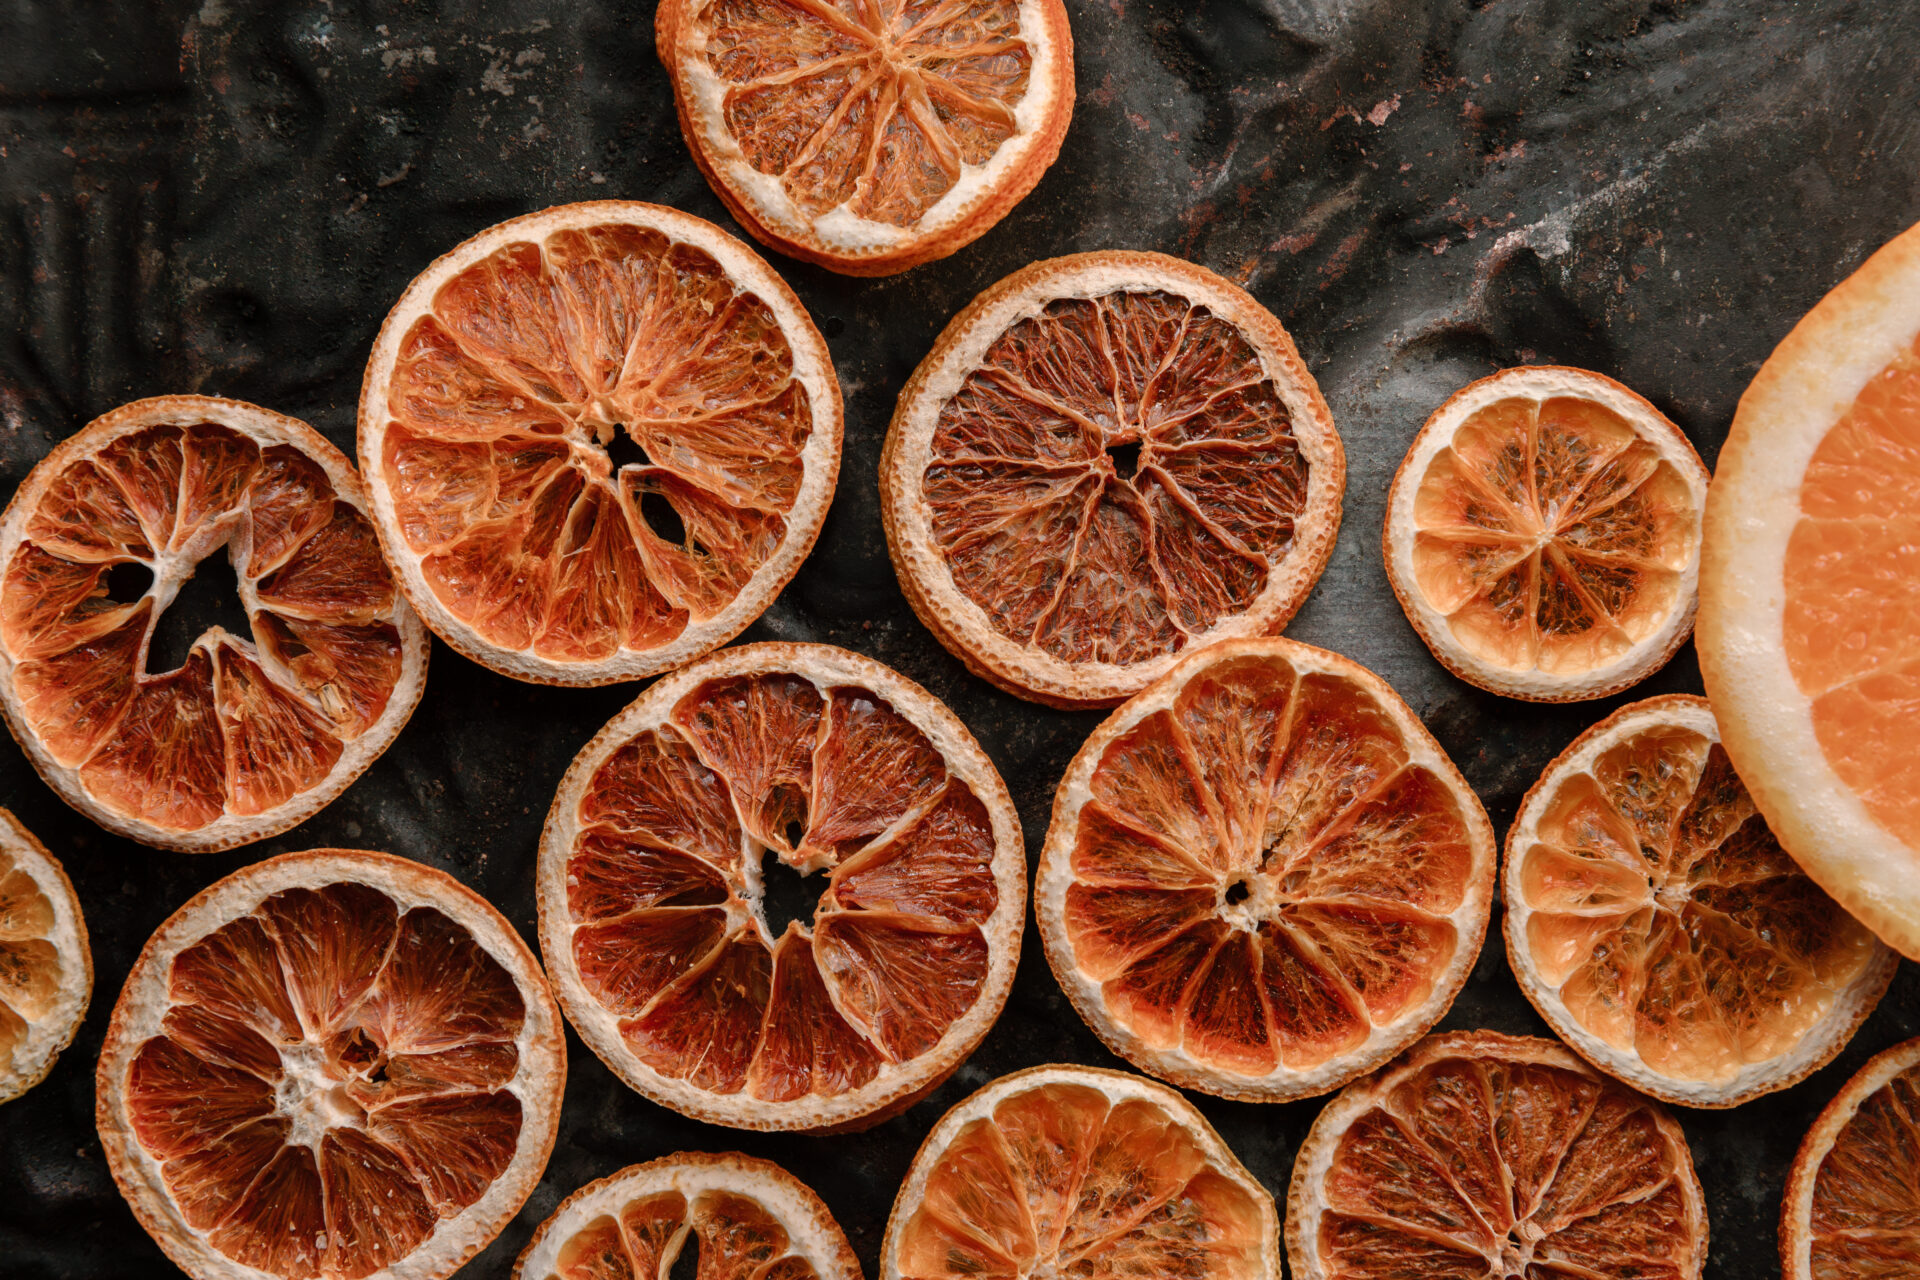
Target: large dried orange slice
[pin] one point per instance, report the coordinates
(1810, 592)
(1543, 534)
(600, 439)
(1661, 930)
(869, 135)
(250, 734)
(1107, 460)
(332, 1063)
(1264, 877)
(1075, 1171)
(46, 967)
(672, 892)
(1479, 1156)
(717, 1217)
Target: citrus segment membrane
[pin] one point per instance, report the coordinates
(1849, 1210)
(46, 968)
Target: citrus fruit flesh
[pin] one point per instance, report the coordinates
(1850, 1210)
(46, 969)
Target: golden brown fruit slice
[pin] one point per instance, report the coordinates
(332, 1063)
(1479, 1156)
(251, 734)
(654, 890)
(46, 967)
(1264, 877)
(503, 378)
(1851, 1206)
(1543, 534)
(1105, 461)
(1076, 1171)
(869, 135)
(1660, 928)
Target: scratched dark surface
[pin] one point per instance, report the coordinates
(225, 197)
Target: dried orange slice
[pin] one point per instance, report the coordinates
(1851, 1199)
(1479, 1156)
(1105, 461)
(600, 439)
(654, 890)
(869, 135)
(1075, 1171)
(1264, 877)
(332, 1063)
(1543, 534)
(46, 967)
(1810, 592)
(250, 734)
(1658, 926)
(718, 1217)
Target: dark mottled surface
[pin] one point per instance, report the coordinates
(224, 197)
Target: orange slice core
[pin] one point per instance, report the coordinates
(728, 1236)
(1862, 1223)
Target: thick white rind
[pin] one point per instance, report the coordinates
(54, 1030)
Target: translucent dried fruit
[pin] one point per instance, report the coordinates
(1849, 1211)
(46, 967)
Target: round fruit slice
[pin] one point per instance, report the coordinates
(1810, 592)
(1264, 877)
(1658, 926)
(46, 968)
(249, 735)
(725, 1217)
(685, 956)
(1075, 1171)
(600, 439)
(869, 135)
(1107, 460)
(1851, 1199)
(332, 1063)
(1543, 534)
(1487, 1157)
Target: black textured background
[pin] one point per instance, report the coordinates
(224, 197)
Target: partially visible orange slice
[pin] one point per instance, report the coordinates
(1851, 1202)
(46, 967)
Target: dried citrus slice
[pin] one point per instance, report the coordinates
(1106, 460)
(654, 887)
(869, 135)
(1264, 877)
(46, 968)
(249, 735)
(1479, 1156)
(1075, 1171)
(1810, 592)
(718, 1217)
(1543, 534)
(1658, 926)
(600, 439)
(1853, 1194)
(332, 1063)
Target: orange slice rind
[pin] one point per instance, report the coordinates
(46, 966)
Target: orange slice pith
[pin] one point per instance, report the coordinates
(869, 135)
(1660, 928)
(332, 1063)
(251, 734)
(1105, 461)
(652, 890)
(1849, 1209)
(46, 966)
(1543, 534)
(1068, 1170)
(742, 1218)
(1487, 1157)
(502, 376)
(1263, 876)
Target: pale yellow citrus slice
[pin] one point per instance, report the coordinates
(46, 967)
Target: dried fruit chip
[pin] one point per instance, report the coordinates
(46, 967)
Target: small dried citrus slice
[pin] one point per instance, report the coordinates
(1543, 534)
(718, 1217)
(332, 1063)
(1264, 877)
(600, 439)
(654, 874)
(46, 968)
(869, 135)
(1075, 1171)
(250, 734)
(1105, 461)
(1810, 592)
(1853, 1194)
(1479, 1156)
(1658, 926)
